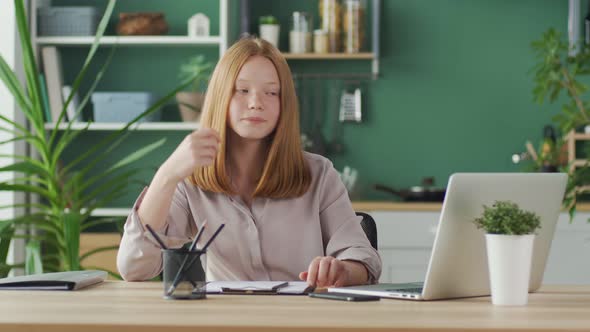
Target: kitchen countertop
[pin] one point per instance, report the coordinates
(416, 206)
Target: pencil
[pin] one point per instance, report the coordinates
(151, 230)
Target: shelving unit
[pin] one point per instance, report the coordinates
(221, 40)
(572, 137)
(329, 56)
(130, 41)
(181, 126)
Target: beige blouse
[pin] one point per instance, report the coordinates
(274, 240)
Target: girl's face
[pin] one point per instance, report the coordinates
(255, 106)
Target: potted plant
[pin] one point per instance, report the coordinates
(557, 71)
(269, 29)
(69, 192)
(509, 242)
(190, 102)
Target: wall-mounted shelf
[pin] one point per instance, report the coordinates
(130, 41)
(183, 126)
(220, 41)
(329, 56)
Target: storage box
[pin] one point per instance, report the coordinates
(123, 106)
(67, 21)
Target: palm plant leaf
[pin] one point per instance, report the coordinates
(30, 66)
(12, 83)
(33, 263)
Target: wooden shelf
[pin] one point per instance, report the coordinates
(329, 56)
(579, 136)
(181, 126)
(129, 40)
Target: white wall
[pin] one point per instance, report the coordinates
(9, 50)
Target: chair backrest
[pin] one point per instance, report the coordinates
(370, 227)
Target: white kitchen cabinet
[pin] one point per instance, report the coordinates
(405, 241)
(406, 238)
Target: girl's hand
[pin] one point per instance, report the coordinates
(198, 149)
(326, 271)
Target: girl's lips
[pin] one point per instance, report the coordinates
(254, 119)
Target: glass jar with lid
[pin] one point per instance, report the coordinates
(320, 41)
(300, 34)
(331, 14)
(353, 26)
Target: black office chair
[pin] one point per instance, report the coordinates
(370, 228)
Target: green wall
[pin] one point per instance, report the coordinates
(454, 92)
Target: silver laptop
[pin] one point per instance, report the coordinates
(458, 262)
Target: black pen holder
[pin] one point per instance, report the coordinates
(184, 274)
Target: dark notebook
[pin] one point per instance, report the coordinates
(72, 280)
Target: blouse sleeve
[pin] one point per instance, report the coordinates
(140, 256)
(342, 233)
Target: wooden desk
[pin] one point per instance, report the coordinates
(119, 306)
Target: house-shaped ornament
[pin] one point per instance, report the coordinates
(198, 25)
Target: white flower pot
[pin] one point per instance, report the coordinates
(270, 33)
(509, 262)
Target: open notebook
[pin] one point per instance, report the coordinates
(259, 287)
(72, 280)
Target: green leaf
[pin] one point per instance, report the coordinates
(26, 189)
(505, 217)
(35, 115)
(71, 222)
(6, 235)
(138, 154)
(12, 83)
(33, 263)
(25, 167)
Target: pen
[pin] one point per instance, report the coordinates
(184, 266)
(191, 248)
(213, 237)
(196, 239)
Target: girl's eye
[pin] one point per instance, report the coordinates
(272, 93)
(242, 90)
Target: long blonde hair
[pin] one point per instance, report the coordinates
(286, 174)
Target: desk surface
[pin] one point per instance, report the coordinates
(118, 306)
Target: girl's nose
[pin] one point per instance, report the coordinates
(255, 102)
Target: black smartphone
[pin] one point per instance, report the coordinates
(345, 296)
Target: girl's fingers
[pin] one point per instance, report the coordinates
(303, 275)
(324, 271)
(336, 275)
(312, 271)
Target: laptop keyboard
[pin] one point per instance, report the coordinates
(417, 290)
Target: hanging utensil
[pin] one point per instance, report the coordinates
(350, 104)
